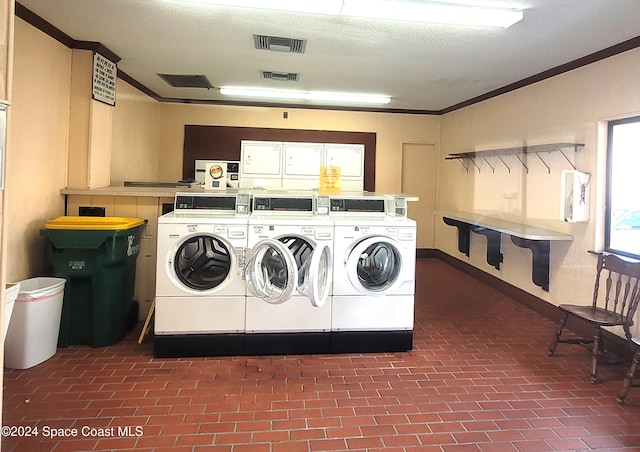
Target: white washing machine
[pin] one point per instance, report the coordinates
(289, 274)
(200, 292)
(374, 274)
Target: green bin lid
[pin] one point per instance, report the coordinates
(93, 223)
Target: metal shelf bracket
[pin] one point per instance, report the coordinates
(544, 163)
(505, 164)
(493, 170)
(575, 149)
(526, 168)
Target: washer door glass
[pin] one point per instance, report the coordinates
(316, 276)
(374, 265)
(203, 262)
(300, 249)
(271, 272)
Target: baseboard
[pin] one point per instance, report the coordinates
(614, 343)
(423, 253)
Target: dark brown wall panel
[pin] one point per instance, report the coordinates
(223, 143)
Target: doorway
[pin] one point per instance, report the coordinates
(418, 178)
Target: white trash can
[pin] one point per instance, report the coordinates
(10, 295)
(32, 337)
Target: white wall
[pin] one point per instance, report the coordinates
(36, 165)
(567, 108)
(135, 139)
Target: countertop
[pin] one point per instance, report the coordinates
(160, 192)
(524, 231)
(163, 192)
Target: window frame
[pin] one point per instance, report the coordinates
(608, 211)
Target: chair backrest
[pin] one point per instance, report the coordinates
(621, 292)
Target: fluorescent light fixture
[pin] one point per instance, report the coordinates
(401, 10)
(319, 96)
(434, 12)
(299, 6)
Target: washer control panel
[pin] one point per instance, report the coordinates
(358, 205)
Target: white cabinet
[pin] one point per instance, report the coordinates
(269, 164)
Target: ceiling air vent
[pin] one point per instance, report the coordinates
(278, 44)
(186, 81)
(280, 76)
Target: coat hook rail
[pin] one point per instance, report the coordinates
(520, 152)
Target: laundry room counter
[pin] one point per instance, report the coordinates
(149, 191)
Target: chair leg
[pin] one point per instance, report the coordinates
(629, 377)
(556, 338)
(597, 345)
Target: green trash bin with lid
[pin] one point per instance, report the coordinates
(97, 256)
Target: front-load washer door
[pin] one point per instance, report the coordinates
(271, 272)
(203, 263)
(374, 266)
(316, 275)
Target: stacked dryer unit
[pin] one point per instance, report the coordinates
(289, 274)
(200, 291)
(374, 274)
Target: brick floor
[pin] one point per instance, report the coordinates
(477, 379)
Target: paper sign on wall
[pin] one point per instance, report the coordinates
(330, 180)
(105, 74)
(215, 176)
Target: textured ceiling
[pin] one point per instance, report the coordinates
(426, 67)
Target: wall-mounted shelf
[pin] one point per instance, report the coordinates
(467, 159)
(536, 239)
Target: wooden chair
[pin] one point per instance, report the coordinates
(614, 304)
(628, 379)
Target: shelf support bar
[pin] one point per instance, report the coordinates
(523, 164)
(543, 162)
(540, 250)
(461, 160)
(494, 255)
(493, 170)
(474, 163)
(463, 234)
(504, 163)
(567, 158)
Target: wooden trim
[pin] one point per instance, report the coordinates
(44, 26)
(427, 253)
(139, 86)
(297, 106)
(98, 48)
(615, 344)
(575, 64)
(63, 38)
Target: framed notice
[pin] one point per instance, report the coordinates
(105, 73)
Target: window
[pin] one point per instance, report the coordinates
(622, 219)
